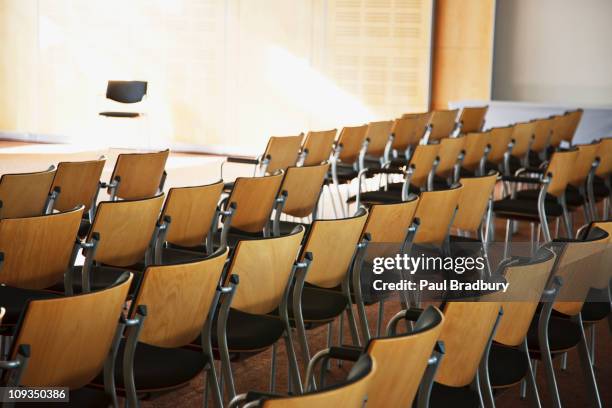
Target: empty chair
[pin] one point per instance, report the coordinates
(476, 151)
(37, 252)
(266, 267)
(500, 147)
(579, 265)
(407, 133)
(602, 184)
(573, 122)
(318, 146)
(68, 341)
(402, 359)
(180, 301)
(379, 143)
(254, 199)
(121, 238)
(352, 393)
(581, 179)
(472, 119)
(77, 183)
(193, 221)
(128, 92)
(435, 212)
(25, 194)
(303, 186)
(441, 124)
(522, 138)
(138, 175)
(474, 201)
(447, 169)
(541, 141)
(508, 361)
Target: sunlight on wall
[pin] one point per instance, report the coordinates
(223, 74)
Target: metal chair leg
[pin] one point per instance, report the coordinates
(564, 361)
(546, 357)
(508, 238)
(381, 317)
(585, 362)
(593, 335)
(530, 380)
(340, 335)
(273, 370)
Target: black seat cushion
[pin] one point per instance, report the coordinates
(595, 311)
(173, 255)
(517, 208)
(83, 397)
(101, 277)
(563, 334)
(572, 196)
(320, 305)
(84, 228)
(14, 300)
(157, 368)
(444, 397)
(120, 114)
(345, 173)
(248, 332)
(507, 366)
(600, 190)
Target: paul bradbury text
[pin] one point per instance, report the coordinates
(451, 284)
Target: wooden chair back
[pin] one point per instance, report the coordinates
(2, 313)
(527, 281)
(442, 123)
(319, 146)
(402, 360)
(605, 156)
(78, 182)
(423, 159)
(499, 139)
(25, 194)
(389, 223)
(351, 139)
(435, 211)
(264, 267)
(581, 168)
(472, 118)
(70, 337)
(332, 244)
(475, 146)
(282, 151)
(602, 279)
(579, 266)
(473, 201)
(125, 229)
(37, 250)
(191, 210)
(408, 130)
(249, 190)
(466, 332)
(303, 186)
(450, 148)
(378, 134)
(542, 133)
(561, 166)
(522, 135)
(140, 174)
(573, 121)
(351, 394)
(169, 291)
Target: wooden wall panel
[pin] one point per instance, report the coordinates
(462, 51)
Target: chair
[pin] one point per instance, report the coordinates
(334, 246)
(137, 175)
(500, 146)
(541, 141)
(602, 184)
(507, 362)
(441, 124)
(476, 150)
(180, 303)
(549, 335)
(473, 320)
(318, 147)
(74, 184)
(67, 341)
(435, 212)
(418, 176)
(474, 201)
(537, 205)
(303, 186)
(564, 127)
(127, 92)
(122, 237)
(253, 200)
(25, 194)
(266, 269)
(351, 393)
(193, 214)
(379, 137)
(36, 253)
(472, 119)
(522, 139)
(581, 180)
(402, 359)
(407, 133)
(574, 118)
(348, 158)
(447, 169)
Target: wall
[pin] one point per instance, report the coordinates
(557, 51)
(223, 74)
